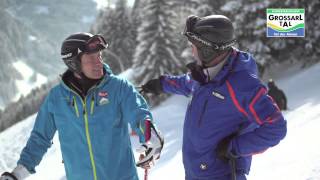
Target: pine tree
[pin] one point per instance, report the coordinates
(248, 18)
(157, 50)
(124, 42)
(116, 26)
(186, 8)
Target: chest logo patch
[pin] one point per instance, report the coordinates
(103, 101)
(218, 95)
(103, 94)
(103, 98)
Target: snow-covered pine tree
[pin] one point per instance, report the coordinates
(249, 18)
(190, 7)
(116, 26)
(306, 50)
(157, 50)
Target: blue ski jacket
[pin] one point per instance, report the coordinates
(93, 132)
(234, 101)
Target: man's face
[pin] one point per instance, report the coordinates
(216, 59)
(91, 65)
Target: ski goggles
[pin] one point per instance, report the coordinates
(95, 44)
(198, 41)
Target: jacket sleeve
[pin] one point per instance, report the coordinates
(182, 85)
(135, 109)
(271, 125)
(40, 139)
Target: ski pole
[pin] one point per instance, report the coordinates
(145, 174)
(233, 169)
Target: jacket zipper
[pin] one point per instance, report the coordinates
(92, 104)
(203, 111)
(75, 105)
(85, 116)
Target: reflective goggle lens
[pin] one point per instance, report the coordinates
(96, 43)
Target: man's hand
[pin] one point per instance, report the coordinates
(8, 176)
(223, 148)
(18, 173)
(151, 150)
(153, 86)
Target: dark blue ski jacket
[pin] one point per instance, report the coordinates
(235, 101)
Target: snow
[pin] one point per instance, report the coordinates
(103, 3)
(127, 74)
(42, 10)
(12, 143)
(87, 19)
(297, 157)
(32, 38)
(230, 6)
(30, 79)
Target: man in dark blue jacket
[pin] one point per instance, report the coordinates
(230, 117)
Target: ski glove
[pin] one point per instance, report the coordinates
(19, 173)
(153, 86)
(8, 176)
(151, 150)
(223, 149)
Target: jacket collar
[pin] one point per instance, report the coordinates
(66, 75)
(227, 68)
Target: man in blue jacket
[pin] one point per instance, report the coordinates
(230, 117)
(90, 109)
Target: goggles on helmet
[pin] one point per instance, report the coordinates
(199, 42)
(94, 44)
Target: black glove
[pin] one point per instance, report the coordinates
(8, 176)
(153, 86)
(223, 151)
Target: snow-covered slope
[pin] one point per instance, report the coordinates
(297, 157)
(30, 79)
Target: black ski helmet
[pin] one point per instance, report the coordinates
(212, 35)
(76, 44)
